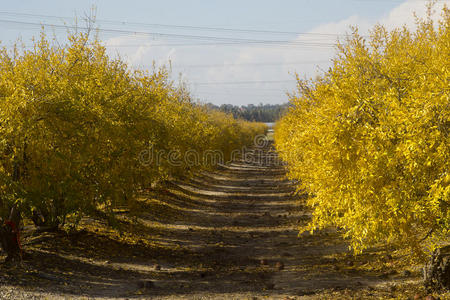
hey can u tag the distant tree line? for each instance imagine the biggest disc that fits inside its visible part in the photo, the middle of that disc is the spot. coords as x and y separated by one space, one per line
267 113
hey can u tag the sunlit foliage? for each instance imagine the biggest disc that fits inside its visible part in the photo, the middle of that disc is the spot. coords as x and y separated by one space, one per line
74 124
370 138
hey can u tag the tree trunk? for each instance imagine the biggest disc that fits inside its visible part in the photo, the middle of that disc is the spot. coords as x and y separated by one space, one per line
437 270
10 235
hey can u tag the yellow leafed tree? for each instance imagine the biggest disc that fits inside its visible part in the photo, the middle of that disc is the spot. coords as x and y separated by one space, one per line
370 138
74 123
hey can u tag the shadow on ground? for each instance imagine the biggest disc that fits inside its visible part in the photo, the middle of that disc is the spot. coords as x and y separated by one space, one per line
229 233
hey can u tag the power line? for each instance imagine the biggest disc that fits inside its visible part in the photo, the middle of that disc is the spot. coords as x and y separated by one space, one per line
256 64
182 26
236 88
258 43
243 82
278 93
179 36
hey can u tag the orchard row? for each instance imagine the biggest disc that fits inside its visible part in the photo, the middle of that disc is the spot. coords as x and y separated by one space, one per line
75 122
370 138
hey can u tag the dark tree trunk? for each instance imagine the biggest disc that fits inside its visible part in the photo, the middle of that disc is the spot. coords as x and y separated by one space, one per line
44 221
10 235
437 270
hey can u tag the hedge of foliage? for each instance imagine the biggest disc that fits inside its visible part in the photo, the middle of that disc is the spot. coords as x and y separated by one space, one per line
74 124
370 138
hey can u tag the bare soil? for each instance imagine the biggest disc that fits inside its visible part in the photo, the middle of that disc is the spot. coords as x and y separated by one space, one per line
227 234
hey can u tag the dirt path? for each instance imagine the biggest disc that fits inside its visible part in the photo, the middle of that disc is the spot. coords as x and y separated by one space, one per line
231 234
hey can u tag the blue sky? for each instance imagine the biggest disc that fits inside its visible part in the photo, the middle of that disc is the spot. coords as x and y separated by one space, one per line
290 15
227 66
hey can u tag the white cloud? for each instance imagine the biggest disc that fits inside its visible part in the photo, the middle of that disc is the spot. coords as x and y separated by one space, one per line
315 51
404 14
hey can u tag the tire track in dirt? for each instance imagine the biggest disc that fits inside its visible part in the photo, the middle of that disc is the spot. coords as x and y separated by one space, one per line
231 233
254 216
